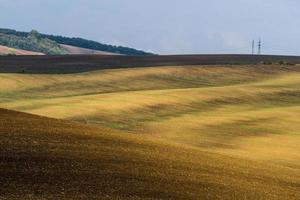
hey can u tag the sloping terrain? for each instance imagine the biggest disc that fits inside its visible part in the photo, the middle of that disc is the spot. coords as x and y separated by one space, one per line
80 42
185 132
44 158
11 51
72 50
81 51
242 111
32 42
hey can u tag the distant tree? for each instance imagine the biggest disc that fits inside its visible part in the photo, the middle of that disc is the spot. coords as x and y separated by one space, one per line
281 62
34 35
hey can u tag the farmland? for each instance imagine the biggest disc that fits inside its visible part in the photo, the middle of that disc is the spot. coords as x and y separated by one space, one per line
197 131
59 64
11 51
48 158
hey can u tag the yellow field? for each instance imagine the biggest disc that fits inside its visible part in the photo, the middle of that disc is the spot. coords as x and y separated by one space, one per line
44 158
244 113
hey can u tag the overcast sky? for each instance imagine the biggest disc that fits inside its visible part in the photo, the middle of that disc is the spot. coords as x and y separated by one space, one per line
165 26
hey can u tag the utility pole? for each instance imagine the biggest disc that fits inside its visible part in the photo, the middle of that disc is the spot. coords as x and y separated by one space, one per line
253 43
259 46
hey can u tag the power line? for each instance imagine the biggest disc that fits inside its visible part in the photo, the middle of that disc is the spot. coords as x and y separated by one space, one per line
253 43
259 46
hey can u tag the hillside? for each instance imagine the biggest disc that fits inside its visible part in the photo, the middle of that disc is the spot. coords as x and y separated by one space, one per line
33 42
241 111
82 43
44 158
174 132
72 50
11 51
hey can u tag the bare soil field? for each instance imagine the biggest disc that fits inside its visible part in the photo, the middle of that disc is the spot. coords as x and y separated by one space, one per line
84 63
11 51
83 51
171 132
43 158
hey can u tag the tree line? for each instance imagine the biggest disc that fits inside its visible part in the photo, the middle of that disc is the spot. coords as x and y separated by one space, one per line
80 42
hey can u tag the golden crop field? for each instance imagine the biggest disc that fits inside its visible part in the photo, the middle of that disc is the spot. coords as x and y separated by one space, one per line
196 132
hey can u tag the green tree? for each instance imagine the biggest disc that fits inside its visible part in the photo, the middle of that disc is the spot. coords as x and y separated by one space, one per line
34 35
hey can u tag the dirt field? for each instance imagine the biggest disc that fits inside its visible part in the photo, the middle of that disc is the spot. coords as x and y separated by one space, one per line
11 51
174 132
85 63
43 158
82 51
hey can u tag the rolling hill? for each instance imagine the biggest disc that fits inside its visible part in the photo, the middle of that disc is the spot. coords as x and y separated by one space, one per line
233 110
68 50
171 132
33 42
75 42
43 158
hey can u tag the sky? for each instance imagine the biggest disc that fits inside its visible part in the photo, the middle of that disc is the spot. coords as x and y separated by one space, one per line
165 26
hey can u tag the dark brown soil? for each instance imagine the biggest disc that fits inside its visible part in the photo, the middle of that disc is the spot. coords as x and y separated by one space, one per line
83 63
